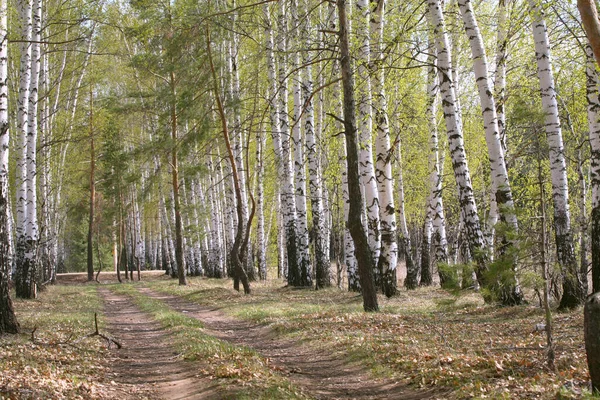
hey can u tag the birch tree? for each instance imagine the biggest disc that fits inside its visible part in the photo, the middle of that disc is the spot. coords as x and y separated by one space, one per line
435 206
510 292
287 182
572 289
365 127
26 227
455 140
388 257
8 320
311 131
302 240
593 110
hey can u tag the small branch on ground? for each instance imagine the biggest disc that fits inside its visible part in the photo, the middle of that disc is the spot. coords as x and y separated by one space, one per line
97 333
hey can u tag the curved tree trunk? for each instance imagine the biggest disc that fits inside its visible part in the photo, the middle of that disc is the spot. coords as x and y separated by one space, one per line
359 235
241 236
508 290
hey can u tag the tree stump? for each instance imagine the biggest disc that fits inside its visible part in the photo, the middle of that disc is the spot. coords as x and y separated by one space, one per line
591 325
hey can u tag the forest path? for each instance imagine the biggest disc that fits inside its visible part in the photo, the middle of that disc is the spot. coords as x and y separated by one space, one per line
319 372
147 361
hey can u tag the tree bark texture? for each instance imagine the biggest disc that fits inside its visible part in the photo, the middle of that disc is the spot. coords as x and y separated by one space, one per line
364 257
572 289
591 323
8 320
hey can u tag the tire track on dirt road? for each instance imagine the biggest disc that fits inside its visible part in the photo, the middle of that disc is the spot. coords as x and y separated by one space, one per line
147 363
321 374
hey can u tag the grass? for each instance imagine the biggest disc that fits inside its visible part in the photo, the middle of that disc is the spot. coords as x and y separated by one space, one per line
51 366
427 336
229 364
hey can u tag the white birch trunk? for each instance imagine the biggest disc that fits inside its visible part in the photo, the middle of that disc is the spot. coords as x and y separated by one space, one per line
572 291
593 110
388 258
274 113
261 247
435 203
499 173
304 266
365 128
349 256
500 72
24 277
322 278
287 184
455 138
215 257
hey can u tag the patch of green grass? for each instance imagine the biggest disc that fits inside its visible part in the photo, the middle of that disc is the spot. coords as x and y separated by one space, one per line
220 360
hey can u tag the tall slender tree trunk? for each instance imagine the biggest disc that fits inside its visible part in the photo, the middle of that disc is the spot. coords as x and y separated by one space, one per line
593 110
572 289
388 258
24 276
508 290
435 203
8 320
175 181
287 183
365 127
366 265
455 141
241 237
90 236
311 130
261 246
302 241
412 279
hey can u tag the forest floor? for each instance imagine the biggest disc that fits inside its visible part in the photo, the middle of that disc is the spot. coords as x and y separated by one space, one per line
207 341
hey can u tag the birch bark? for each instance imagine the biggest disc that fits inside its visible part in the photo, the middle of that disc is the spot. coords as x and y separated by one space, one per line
455 140
287 183
365 128
593 110
322 278
24 284
572 289
388 257
8 320
507 288
304 267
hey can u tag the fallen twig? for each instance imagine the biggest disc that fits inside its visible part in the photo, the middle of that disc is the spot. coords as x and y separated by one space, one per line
97 333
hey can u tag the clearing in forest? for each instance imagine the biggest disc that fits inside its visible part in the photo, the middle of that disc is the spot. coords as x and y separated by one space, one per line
205 340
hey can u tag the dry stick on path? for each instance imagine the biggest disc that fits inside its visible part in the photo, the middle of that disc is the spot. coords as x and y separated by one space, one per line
97 333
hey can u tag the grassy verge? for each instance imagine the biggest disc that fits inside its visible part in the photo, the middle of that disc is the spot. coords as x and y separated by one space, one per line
52 365
229 364
427 336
